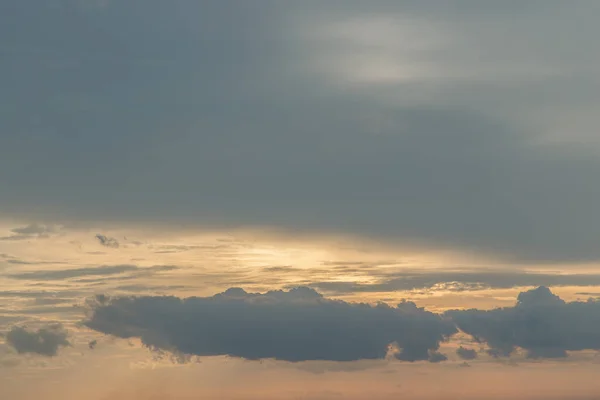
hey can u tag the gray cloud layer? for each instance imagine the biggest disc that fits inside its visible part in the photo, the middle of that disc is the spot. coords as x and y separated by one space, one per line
45 341
302 325
403 120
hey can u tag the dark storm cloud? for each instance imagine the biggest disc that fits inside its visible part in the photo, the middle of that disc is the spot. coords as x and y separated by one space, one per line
107 241
295 326
541 323
45 341
459 281
212 113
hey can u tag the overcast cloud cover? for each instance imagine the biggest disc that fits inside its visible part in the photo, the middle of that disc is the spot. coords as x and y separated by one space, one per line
154 153
465 124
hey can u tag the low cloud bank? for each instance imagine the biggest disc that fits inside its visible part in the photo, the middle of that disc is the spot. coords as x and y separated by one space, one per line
301 324
297 325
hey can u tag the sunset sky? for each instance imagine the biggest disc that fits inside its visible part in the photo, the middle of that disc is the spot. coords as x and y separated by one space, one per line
281 199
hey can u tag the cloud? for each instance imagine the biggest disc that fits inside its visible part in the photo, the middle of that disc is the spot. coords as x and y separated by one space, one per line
24 262
590 294
540 323
101 271
445 138
32 231
436 357
458 281
280 268
151 288
49 300
36 294
45 341
108 241
301 325
296 325
466 353
55 275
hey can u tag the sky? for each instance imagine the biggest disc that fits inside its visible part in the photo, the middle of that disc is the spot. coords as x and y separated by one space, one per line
299 199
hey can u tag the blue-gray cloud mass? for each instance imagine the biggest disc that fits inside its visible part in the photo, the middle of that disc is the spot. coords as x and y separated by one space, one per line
45 341
301 325
294 326
541 323
476 132
466 353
